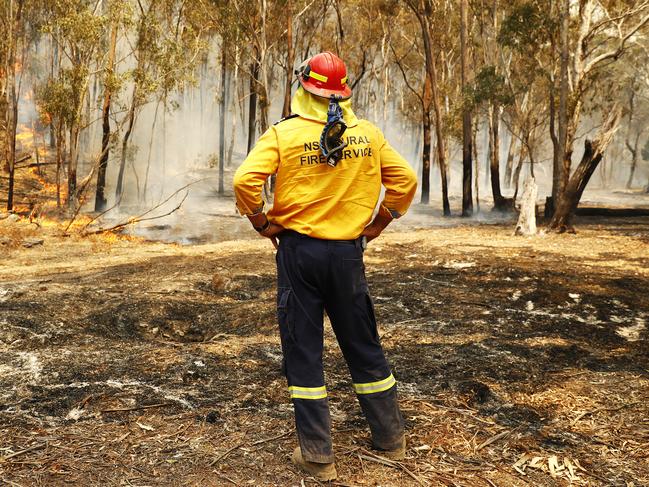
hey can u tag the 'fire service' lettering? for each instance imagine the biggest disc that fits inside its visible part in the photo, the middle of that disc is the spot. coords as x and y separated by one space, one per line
310 158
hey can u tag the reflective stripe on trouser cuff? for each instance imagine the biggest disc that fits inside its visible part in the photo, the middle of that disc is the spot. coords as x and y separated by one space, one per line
307 392
378 386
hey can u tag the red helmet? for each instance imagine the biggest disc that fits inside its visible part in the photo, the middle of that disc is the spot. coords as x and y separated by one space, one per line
324 75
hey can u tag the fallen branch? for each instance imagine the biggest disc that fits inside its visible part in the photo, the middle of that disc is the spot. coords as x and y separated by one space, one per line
241 445
390 463
466 412
493 439
286 433
488 481
611 410
21 452
220 475
12 484
139 219
225 454
22 159
36 164
136 408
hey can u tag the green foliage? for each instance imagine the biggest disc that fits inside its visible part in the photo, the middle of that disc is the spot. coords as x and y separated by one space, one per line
488 86
54 96
528 27
74 23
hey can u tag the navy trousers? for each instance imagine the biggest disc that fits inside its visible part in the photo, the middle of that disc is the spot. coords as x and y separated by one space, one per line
315 276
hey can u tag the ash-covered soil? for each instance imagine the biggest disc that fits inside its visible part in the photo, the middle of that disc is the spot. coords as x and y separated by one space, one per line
520 361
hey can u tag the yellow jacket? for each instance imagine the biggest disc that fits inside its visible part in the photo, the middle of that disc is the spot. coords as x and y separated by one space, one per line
331 203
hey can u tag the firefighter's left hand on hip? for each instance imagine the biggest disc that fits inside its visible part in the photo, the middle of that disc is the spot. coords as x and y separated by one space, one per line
371 232
272 231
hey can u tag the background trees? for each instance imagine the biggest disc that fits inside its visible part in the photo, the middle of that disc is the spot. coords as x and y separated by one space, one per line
133 95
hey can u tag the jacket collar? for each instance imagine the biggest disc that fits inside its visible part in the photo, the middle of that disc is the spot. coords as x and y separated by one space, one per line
315 108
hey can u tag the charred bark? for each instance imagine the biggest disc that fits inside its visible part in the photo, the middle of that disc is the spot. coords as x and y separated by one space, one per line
509 166
425 162
467 166
562 219
11 135
476 164
290 58
145 188
12 97
423 12
233 127
571 195
75 129
633 149
500 203
119 188
425 157
252 103
632 146
560 181
100 199
222 105
443 169
517 171
60 150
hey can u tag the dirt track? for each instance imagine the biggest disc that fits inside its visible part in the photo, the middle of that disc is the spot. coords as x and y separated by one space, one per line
502 347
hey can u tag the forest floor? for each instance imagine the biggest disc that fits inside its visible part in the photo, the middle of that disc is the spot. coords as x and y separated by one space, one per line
520 361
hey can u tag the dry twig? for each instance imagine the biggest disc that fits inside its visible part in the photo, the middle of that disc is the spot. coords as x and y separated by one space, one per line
26 450
240 445
390 463
493 439
136 408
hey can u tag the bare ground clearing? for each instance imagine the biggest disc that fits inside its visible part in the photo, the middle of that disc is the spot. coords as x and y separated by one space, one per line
520 361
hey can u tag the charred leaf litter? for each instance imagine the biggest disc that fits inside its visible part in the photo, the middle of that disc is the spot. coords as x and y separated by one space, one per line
546 350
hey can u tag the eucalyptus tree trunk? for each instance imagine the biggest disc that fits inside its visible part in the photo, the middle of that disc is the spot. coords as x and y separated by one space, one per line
476 166
60 151
527 218
561 169
509 165
74 135
119 188
145 188
100 198
15 17
517 171
290 59
500 203
593 153
235 89
423 10
467 195
633 148
252 102
425 157
75 129
12 123
222 105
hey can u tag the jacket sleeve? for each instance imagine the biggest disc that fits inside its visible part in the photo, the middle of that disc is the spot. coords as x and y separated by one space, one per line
261 162
399 179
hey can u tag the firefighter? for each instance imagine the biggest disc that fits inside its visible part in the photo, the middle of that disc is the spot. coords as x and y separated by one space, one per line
329 168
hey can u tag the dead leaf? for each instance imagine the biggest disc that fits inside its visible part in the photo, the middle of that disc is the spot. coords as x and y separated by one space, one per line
145 427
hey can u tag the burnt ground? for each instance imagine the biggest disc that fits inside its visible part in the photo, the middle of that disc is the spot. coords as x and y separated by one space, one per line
520 361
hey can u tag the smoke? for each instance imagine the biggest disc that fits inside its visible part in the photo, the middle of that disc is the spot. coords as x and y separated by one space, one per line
175 143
